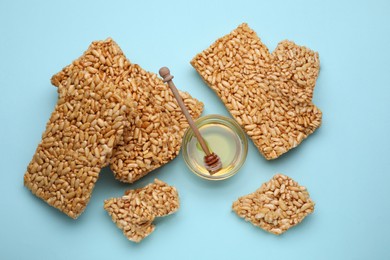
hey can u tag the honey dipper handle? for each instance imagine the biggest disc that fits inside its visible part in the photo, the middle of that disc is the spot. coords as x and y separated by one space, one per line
167 77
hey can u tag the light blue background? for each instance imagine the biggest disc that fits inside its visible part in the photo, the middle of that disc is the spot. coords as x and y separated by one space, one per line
345 164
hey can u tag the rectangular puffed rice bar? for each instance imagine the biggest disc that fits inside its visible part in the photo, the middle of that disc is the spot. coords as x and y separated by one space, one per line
88 121
268 94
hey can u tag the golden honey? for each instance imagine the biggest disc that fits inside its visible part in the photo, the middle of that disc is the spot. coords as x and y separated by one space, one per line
223 137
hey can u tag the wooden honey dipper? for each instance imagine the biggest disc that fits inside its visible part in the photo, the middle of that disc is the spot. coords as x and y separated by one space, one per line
211 160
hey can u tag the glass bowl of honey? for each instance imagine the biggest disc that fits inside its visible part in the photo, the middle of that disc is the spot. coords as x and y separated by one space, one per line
224 137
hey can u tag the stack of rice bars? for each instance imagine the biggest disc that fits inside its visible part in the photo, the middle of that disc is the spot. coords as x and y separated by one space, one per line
109 112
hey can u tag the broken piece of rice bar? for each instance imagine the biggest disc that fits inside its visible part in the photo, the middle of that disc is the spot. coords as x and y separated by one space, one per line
88 121
276 206
154 136
135 211
268 94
